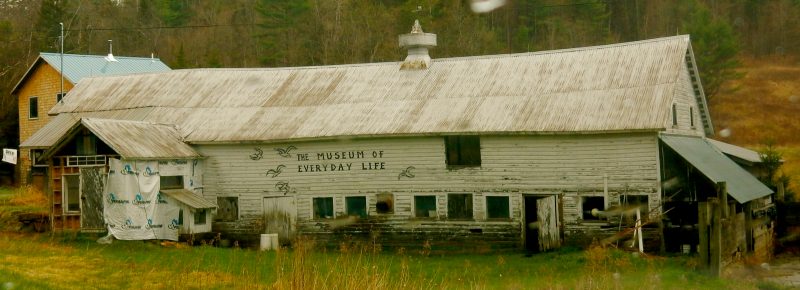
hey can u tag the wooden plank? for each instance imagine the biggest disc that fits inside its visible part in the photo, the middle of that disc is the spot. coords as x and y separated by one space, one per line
703 226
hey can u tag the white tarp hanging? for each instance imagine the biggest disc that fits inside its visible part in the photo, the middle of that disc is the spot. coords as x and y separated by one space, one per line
132 205
10 155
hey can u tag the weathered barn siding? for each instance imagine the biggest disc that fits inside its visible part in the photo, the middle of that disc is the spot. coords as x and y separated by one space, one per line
572 166
685 99
192 172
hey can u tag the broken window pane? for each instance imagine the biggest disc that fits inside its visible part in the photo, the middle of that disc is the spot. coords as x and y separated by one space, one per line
425 206
459 206
497 207
384 203
356 206
463 151
591 206
323 207
227 209
171 182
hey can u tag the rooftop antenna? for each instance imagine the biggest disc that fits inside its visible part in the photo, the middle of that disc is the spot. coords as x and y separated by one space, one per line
61 64
110 56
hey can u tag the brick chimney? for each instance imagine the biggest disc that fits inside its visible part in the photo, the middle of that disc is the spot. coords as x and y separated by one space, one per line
417 43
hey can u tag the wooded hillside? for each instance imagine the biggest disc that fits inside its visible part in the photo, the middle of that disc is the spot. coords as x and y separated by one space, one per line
272 33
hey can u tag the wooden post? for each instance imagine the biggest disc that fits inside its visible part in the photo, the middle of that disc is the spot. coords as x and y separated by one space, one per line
779 195
702 229
748 227
722 194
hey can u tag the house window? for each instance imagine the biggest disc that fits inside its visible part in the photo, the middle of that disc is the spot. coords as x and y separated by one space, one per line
356 206
200 217
227 209
180 217
425 206
59 97
591 206
459 206
497 207
674 114
384 203
463 151
323 207
71 189
640 201
33 107
691 116
171 182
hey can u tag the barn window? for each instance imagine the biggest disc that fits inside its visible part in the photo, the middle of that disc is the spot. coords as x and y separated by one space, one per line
323 207
674 114
33 107
227 209
691 116
463 151
200 216
59 97
171 182
180 217
590 207
631 201
497 207
72 193
459 206
356 206
425 206
384 203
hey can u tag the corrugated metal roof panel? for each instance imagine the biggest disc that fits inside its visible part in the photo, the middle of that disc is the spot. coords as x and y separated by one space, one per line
60 124
189 198
140 140
78 66
717 167
740 152
617 87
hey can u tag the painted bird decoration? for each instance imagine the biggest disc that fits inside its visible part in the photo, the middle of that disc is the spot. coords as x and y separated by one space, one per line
284 187
277 171
258 155
408 172
285 152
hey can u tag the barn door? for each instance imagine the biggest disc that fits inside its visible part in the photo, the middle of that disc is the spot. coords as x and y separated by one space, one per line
92 181
547 215
280 214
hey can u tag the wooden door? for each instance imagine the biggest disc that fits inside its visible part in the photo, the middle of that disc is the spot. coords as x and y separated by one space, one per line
547 215
92 181
280 214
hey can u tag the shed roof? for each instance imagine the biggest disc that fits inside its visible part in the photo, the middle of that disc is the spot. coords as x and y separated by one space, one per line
61 124
140 140
189 198
717 167
619 87
78 66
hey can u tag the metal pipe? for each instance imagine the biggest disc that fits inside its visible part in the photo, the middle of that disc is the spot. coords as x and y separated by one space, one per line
61 92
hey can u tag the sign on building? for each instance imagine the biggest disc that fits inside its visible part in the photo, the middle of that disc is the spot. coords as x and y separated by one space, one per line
10 155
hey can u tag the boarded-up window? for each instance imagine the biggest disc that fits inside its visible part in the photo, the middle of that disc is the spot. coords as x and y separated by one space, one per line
459 206
356 206
200 217
634 201
497 207
323 207
384 203
227 209
591 207
463 151
72 193
425 206
33 107
171 182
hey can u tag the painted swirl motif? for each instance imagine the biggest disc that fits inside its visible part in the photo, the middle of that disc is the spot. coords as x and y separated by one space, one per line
408 172
284 187
277 171
258 155
285 152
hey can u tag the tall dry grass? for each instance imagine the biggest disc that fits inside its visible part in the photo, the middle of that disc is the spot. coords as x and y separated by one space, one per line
30 197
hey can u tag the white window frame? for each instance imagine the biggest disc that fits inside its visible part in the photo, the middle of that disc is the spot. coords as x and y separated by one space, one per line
313 216
486 206
344 200
580 206
435 202
29 108
64 204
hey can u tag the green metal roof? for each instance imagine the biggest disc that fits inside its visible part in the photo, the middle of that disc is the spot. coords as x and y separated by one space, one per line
742 186
78 66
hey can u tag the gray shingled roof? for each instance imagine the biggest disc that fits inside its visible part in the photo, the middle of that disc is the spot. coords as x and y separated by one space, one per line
620 87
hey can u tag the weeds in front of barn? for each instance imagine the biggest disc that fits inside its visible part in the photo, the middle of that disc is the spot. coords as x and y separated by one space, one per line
20 200
75 261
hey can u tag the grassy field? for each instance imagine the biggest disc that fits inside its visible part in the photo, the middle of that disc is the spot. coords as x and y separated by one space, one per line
763 106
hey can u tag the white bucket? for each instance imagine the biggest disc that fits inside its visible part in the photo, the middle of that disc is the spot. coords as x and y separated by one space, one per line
686 249
269 242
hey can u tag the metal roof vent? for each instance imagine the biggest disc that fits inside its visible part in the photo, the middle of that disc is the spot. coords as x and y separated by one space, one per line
110 56
417 42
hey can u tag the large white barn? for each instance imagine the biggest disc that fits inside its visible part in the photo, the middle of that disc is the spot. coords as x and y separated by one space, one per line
497 151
